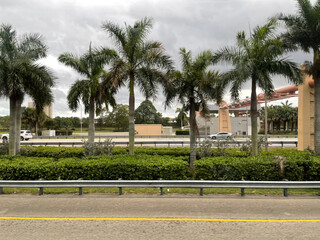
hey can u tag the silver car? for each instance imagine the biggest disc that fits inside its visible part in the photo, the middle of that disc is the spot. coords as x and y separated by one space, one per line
221 135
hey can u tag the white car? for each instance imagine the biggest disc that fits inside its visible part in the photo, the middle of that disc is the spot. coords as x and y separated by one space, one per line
221 135
24 135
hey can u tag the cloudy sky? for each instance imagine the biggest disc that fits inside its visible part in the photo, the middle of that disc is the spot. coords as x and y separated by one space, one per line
197 25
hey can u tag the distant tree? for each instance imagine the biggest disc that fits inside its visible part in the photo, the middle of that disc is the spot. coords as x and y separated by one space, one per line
119 117
182 115
4 122
146 113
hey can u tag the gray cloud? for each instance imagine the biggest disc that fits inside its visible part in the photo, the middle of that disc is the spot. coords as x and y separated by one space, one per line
197 25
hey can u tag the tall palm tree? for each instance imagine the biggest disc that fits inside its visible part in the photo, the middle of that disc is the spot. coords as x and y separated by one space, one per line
20 75
140 63
257 58
303 30
97 88
193 87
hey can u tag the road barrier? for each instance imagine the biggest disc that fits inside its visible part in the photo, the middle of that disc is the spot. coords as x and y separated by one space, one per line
155 143
148 136
200 184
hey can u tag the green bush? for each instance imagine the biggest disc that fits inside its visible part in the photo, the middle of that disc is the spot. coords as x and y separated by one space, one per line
94 168
52 152
182 132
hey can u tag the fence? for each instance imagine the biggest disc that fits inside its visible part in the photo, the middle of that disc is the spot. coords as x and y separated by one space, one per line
200 184
153 143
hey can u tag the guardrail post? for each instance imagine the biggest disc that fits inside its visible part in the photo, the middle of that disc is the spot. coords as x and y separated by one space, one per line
242 189
41 188
1 188
201 189
80 188
161 188
285 190
120 188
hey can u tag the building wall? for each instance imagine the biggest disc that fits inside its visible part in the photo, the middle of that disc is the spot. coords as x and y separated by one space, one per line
239 125
47 109
148 129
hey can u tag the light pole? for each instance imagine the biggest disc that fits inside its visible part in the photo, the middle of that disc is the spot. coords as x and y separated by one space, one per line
266 122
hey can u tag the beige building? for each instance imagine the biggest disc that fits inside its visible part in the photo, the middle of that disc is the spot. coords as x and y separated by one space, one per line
47 109
152 129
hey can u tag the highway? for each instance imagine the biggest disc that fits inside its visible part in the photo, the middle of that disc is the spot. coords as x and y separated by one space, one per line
158 217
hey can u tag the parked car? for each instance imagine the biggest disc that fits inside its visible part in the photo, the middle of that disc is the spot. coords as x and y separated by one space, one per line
24 135
221 135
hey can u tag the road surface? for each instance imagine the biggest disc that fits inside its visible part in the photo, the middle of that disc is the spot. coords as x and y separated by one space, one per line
158 217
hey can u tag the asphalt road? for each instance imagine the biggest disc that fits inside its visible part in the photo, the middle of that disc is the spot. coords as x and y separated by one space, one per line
158 217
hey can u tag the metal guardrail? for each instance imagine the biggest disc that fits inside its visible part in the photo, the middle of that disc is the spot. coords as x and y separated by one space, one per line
155 143
149 136
201 184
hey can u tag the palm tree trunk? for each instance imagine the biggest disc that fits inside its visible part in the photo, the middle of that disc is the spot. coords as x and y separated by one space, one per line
254 120
18 125
12 127
192 133
131 116
91 121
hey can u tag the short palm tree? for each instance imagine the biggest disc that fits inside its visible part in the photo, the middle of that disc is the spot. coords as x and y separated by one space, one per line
140 63
257 58
96 89
303 31
194 86
20 75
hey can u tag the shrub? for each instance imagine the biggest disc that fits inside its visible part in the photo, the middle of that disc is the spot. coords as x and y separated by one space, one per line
4 148
98 148
52 152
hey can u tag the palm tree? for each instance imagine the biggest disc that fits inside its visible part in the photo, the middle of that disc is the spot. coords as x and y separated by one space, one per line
257 58
20 75
193 87
140 63
303 31
182 114
286 114
97 88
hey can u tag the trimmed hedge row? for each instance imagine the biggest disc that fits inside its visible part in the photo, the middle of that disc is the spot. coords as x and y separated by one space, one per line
297 166
94 168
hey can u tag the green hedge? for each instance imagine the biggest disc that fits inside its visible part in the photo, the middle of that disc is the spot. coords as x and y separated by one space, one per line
94 168
298 166
78 152
182 132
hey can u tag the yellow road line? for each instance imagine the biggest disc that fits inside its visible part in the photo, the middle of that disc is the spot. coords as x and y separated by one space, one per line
163 219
